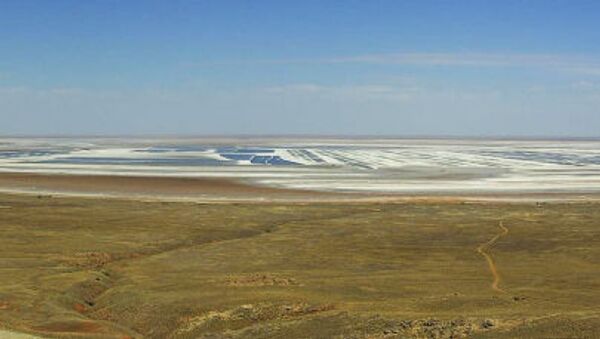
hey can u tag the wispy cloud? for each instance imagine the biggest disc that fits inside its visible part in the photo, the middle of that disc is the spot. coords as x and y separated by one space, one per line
569 63
465 59
362 92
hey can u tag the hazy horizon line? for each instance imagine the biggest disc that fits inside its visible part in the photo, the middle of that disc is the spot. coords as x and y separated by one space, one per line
299 136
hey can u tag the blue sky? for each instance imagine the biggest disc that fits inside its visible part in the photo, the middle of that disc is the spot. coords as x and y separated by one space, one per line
473 68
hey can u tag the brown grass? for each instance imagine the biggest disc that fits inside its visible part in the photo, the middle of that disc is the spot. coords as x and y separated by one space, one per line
288 270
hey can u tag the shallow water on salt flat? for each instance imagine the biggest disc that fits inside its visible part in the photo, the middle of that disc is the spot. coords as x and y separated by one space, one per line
376 165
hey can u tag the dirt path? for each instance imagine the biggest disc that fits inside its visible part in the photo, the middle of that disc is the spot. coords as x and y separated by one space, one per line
483 250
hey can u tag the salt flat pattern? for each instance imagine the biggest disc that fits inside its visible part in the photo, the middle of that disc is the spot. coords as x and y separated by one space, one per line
375 165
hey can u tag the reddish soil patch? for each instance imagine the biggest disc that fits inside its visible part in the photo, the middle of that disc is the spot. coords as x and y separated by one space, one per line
141 185
79 307
70 327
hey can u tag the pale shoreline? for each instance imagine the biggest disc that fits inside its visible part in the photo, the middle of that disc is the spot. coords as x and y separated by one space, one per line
226 190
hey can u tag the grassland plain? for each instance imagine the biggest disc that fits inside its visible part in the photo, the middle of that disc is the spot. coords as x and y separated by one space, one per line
116 268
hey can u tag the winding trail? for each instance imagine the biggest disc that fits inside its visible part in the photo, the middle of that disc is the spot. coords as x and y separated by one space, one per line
483 250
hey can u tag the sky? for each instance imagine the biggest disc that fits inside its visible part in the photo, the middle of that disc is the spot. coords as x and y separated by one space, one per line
393 68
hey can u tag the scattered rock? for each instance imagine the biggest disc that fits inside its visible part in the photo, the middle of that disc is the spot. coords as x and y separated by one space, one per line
390 331
430 322
487 323
252 312
406 324
420 328
259 280
92 259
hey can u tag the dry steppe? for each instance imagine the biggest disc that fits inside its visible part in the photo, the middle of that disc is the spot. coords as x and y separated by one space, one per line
73 267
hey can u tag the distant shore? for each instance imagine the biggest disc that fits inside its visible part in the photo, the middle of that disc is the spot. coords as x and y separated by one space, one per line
229 190
139 186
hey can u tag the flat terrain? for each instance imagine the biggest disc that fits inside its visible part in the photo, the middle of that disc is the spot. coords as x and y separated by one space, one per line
165 187
116 268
